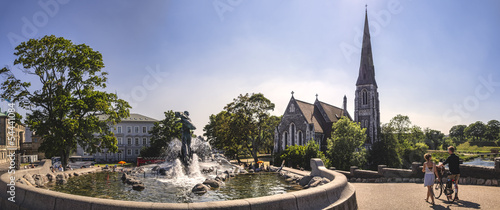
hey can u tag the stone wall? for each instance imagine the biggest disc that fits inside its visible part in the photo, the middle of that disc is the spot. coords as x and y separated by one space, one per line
476 175
337 194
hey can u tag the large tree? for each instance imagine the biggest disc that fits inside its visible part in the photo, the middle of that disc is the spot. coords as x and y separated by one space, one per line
69 107
251 119
162 133
433 138
457 134
492 130
246 123
475 131
220 135
385 151
345 147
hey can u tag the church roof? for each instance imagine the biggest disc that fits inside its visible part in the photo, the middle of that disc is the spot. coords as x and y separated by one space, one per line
308 111
366 68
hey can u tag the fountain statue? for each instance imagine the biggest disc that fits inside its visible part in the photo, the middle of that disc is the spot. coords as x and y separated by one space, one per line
187 126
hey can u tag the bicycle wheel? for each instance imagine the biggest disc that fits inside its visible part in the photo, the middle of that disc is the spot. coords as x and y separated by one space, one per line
438 188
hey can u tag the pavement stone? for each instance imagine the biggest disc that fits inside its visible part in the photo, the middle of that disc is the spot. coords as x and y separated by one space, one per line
412 196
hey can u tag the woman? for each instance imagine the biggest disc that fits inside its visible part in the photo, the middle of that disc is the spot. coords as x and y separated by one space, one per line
429 177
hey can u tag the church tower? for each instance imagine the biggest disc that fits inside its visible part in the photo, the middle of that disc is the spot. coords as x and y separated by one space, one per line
366 103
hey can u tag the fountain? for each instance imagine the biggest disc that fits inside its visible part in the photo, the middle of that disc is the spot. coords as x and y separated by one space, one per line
169 185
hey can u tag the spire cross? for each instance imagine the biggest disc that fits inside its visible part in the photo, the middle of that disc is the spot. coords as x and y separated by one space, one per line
292 92
316 96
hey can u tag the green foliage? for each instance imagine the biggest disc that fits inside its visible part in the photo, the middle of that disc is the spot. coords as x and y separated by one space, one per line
345 147
414 154
67 109
162 134
475 131
245 126
300 156
433 138
457 134
492 130
385 151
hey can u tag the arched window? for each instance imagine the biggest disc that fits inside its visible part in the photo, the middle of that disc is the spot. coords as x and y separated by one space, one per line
292 133
285 139
364 94
301 138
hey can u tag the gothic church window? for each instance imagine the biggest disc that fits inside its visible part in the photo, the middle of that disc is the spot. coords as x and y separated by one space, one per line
301 138
292 133
364 94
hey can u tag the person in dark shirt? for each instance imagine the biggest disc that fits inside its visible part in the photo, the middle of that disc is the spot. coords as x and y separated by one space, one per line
454 166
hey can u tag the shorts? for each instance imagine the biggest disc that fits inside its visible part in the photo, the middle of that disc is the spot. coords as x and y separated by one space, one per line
455 177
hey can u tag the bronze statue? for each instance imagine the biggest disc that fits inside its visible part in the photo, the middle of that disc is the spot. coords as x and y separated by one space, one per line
187 126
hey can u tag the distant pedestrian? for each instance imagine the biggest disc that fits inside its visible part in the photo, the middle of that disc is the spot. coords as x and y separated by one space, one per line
430 176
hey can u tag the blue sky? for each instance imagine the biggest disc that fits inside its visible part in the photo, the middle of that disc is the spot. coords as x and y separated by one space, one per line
436 62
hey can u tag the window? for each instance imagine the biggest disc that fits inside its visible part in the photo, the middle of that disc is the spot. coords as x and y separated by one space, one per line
301 140
144 129
292 133
129 152
119 129
119 141
136 141
137 151
365 96
144 141
136 129
129 141
129 129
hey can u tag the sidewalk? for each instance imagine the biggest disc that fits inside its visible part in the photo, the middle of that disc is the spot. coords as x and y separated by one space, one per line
411 196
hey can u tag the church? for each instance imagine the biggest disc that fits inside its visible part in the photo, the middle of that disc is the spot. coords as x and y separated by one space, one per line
303 122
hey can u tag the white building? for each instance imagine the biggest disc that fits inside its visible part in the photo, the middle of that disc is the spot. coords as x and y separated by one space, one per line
132 135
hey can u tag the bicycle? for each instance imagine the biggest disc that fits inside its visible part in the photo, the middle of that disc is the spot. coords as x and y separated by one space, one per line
438 185
447 187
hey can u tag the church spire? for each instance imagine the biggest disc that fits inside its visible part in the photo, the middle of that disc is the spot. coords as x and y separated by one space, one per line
366 68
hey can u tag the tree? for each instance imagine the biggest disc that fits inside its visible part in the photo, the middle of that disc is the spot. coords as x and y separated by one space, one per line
475 131
219 134
492 130
250 121
433 138
385 151
457 134
162 133
346 143
68 109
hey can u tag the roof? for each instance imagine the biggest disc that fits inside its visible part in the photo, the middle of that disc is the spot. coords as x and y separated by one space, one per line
134 117
366 68
308 112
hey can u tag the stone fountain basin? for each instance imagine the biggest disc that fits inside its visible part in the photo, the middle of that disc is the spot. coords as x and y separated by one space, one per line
338 194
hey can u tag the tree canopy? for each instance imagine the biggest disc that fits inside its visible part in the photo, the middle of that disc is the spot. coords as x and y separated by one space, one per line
245 123
69 106
162 133
345 147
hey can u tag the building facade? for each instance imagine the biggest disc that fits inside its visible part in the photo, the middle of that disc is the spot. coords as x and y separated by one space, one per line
10 132
366 102
132 134
303 122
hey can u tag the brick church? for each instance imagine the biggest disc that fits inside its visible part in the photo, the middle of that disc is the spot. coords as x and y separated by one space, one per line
303 122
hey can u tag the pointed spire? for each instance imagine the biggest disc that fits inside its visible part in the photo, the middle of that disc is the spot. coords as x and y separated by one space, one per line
366 68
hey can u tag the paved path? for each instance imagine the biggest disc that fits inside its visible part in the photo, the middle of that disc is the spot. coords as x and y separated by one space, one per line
411 196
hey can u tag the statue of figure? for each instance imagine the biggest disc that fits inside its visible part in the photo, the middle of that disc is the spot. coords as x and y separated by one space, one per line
187 126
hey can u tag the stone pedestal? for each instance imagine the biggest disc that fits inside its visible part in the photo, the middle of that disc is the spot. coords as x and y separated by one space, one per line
415 167
381 169
353 169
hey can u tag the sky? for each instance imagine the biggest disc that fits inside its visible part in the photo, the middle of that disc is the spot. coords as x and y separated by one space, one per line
436 62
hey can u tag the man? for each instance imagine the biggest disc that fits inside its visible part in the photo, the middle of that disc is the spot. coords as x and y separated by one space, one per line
454 167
